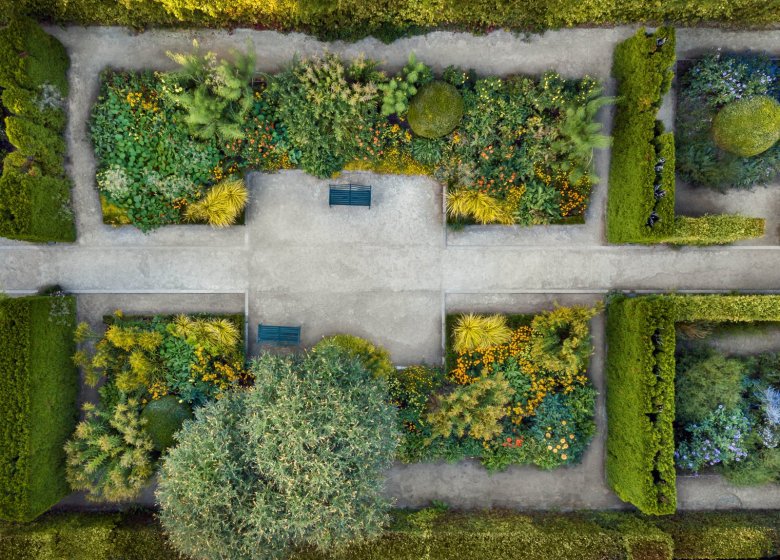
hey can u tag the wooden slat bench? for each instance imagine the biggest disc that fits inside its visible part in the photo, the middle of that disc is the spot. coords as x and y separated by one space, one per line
278 335
350 195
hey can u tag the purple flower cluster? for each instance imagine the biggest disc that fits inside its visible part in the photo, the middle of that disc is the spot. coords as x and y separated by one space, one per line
717 439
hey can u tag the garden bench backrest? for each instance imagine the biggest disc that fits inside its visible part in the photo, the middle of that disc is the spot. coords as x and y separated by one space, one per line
350 195
276 334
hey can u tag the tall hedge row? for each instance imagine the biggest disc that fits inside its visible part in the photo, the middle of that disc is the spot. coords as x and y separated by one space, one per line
434 535
640 207
38 407
640 403
34 190
640 385
353 19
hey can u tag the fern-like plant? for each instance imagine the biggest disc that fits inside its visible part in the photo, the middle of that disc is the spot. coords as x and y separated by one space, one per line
217 94
581 134
221 205
473 332
481 207
219 335
476 409
109 455
561 343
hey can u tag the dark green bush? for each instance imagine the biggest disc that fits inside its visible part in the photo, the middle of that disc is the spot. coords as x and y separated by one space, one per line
34 191
38 404
747 127
640 403
164 417
701 387
436 110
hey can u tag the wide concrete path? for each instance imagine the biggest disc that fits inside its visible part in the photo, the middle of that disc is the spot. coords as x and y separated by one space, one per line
389 273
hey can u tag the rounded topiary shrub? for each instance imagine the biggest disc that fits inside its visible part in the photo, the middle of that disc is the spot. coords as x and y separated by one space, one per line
436 110
747 127
164 417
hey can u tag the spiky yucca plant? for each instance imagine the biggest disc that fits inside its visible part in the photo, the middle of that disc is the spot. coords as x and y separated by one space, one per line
222 204
109 455
480 331
485 209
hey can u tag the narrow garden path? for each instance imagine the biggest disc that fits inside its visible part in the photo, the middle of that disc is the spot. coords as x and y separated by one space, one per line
389 273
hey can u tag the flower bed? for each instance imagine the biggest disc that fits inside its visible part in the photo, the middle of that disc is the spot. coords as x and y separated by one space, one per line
513 150
521 395
714 155
727 410
156 371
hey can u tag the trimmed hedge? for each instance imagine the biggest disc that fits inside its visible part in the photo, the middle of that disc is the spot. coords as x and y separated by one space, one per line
640 404
34 190
352 19
436 535
38 403
641 343
643 157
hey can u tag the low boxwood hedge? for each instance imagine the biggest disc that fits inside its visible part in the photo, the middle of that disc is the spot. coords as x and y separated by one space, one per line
34 190
640 206
38 408
641 342
436 535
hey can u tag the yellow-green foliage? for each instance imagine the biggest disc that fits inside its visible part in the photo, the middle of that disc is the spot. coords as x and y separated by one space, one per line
213 333
479 331
714 230
222 205
109 455
479 206
748 126
477 407
561 341
375 359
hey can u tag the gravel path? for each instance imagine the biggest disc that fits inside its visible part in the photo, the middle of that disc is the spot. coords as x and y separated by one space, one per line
391 272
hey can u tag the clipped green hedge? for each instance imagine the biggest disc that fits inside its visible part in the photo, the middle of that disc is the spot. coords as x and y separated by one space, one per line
644 72
38 408
436 535
641 343
34 190
640 404
352 19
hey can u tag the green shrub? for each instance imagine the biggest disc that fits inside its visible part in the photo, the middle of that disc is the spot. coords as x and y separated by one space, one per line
701 387
34 191
374 358
748 126
561 342
715 535
299 459
164 417
640 403
644 73
436 110
38 405
713 230
760 467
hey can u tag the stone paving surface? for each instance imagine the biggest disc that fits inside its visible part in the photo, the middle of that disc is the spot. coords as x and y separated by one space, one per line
389 273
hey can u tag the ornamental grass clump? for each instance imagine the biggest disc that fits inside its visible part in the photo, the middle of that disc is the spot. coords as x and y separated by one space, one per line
478 206
480 331
222 204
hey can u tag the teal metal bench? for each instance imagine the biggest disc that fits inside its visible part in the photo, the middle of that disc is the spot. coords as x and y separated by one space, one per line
350 195
278 335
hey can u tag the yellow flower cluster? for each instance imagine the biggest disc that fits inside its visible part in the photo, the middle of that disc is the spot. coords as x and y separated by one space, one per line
135 98
485 357
158 389
559 445
212 370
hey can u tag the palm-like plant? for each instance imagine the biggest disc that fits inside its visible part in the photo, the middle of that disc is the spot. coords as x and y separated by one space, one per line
580 135
217 95
480 206
473 332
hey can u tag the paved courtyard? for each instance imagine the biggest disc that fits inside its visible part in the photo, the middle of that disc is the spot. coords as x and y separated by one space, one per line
391 273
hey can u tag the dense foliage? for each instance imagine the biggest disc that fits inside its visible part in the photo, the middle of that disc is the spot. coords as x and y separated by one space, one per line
728 414
721 83
155 371
640 207
38 405
641 341
34 190
520 145
298 460
374 358
438 535
353 19
522 397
